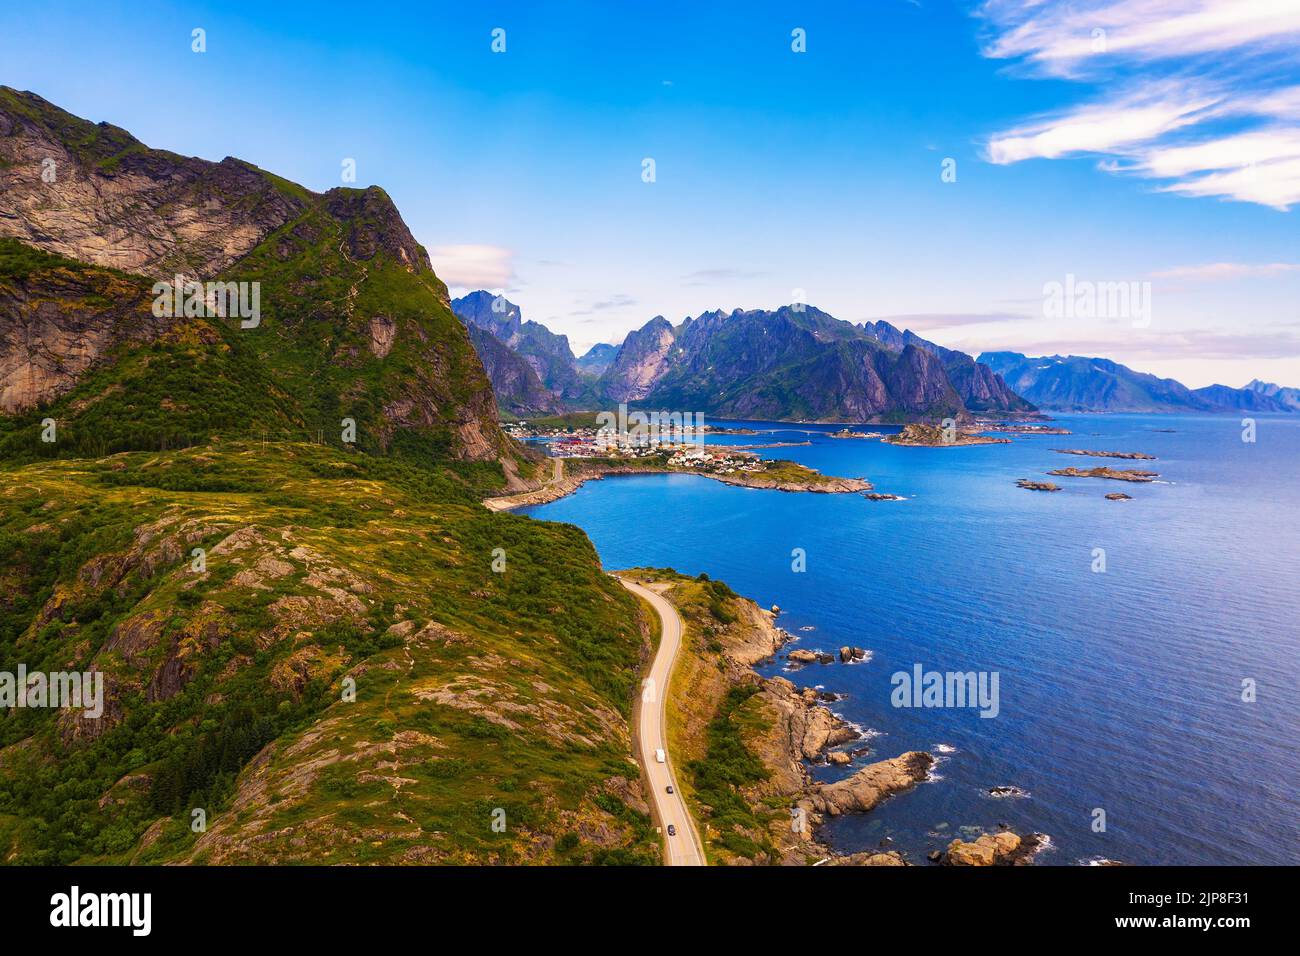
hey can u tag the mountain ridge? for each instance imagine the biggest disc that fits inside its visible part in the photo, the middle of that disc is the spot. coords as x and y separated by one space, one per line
1091 384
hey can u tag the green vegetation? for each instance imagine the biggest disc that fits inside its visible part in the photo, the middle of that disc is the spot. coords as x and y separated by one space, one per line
321 564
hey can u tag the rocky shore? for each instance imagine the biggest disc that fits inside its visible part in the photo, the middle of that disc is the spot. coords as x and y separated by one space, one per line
788 729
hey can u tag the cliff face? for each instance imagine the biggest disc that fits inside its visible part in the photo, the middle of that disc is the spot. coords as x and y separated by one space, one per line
59 321
353 322
641 361
514 382
981 388
95 193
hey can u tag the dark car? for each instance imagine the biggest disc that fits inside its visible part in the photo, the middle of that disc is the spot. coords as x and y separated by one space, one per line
672 830
670 788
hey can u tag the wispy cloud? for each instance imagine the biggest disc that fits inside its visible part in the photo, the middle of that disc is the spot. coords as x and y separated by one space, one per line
705 277
1200 94
617 301
473 266
1220 271
1190 344
924 321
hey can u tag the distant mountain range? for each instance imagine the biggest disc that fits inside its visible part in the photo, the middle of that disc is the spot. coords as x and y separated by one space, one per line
790 363
1077 383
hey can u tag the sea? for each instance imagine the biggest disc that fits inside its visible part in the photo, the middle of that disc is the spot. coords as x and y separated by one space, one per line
1146 652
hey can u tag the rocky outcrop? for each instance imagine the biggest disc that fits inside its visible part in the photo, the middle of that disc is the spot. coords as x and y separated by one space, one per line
993 849
870 786
1037 485
56 324
1137 455
933 436
1115 474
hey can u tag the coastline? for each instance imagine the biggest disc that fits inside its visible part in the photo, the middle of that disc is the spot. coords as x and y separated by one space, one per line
777 730
565 485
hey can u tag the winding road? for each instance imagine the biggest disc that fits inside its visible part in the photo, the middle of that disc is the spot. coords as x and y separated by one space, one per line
683 849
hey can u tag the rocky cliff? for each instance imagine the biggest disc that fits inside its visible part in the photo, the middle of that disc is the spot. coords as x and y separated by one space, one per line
981 388
353 324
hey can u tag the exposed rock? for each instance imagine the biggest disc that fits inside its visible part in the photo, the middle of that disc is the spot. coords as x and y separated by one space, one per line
1115 474
870 786
993 849
1037 485
1105 454
932 436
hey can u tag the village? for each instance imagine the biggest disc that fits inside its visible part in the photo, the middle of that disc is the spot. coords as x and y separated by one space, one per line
678 449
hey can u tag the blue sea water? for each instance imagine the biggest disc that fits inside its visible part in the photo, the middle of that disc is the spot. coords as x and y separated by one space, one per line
1119 690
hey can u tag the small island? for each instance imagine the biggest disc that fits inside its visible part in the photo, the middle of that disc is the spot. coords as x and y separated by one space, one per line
1135 455
880 496
1037 485
850 433
1115 474
932 436
1118 496
999 427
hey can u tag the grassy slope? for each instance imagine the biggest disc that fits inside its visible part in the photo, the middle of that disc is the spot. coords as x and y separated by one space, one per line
323 554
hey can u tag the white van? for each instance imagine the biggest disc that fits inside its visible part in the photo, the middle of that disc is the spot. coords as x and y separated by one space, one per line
659 755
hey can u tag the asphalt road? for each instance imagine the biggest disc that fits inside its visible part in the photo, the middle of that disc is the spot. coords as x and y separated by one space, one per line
684 849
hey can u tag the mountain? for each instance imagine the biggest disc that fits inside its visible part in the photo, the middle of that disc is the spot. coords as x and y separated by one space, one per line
981 388
1288 397
640 362
791 363
548 354
1227 398
306 638
515 383
353 322
1082 384
598 358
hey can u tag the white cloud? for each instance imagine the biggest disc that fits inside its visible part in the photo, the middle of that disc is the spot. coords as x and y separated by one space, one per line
1138 117
1169 71
472 266
1216 271
1078 36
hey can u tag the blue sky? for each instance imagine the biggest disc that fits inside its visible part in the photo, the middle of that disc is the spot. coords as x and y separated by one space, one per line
1165 150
